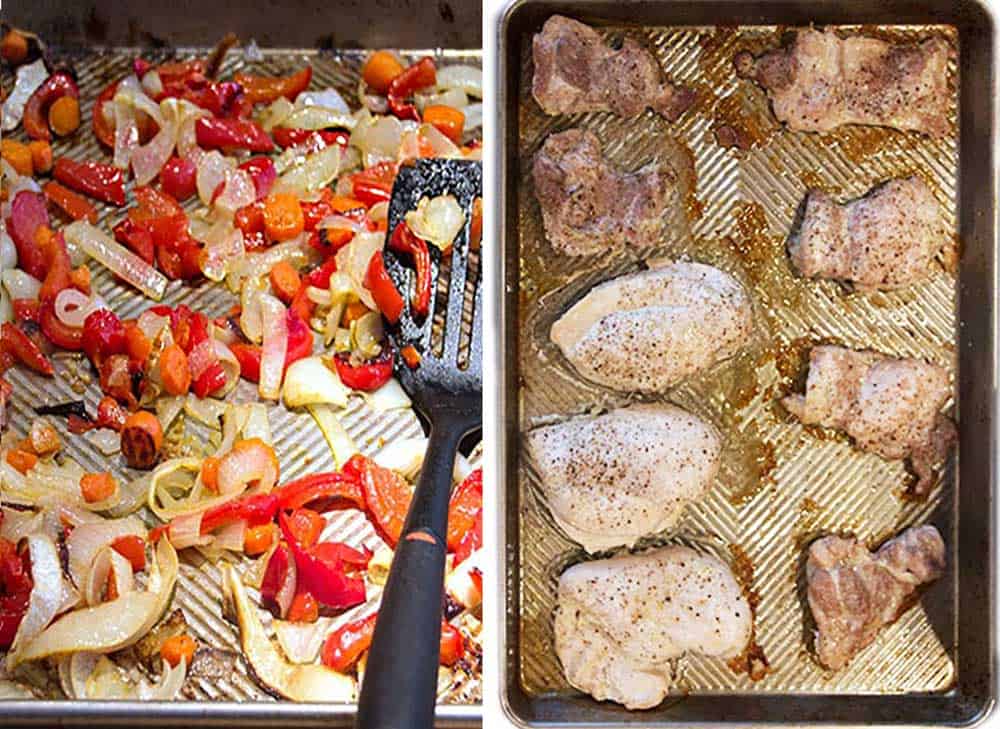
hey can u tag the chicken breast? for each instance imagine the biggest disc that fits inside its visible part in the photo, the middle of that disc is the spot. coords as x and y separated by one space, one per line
611 479
648 330
891 407
885 240
576 71
822 81
853 593
590 207
620 621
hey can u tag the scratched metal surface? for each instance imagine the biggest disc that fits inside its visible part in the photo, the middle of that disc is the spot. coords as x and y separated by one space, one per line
300 445
780 485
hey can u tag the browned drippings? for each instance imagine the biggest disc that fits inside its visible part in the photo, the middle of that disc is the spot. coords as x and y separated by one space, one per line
791 360
763 257
752 660
751 464
858 143
735 126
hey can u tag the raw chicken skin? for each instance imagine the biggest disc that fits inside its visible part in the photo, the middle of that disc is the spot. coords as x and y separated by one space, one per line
648 330
885 240
822 81
853 593
590 207
576 71
620 621
891 407
611 479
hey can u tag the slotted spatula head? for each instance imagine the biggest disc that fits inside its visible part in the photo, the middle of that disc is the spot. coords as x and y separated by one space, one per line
449 338
400 683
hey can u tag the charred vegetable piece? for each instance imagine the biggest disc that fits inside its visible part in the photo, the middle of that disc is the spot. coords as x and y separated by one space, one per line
141 440
265 89
387 496
75 206
15 342
36 111
383 289
464 512
404 241
418 76
366 376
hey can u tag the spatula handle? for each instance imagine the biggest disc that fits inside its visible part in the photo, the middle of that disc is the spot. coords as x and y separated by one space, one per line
400 681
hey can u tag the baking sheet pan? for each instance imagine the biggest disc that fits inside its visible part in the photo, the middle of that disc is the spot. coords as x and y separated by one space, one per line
779 486
103 55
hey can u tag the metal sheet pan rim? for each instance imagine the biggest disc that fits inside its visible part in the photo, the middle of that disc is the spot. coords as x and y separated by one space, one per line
500 395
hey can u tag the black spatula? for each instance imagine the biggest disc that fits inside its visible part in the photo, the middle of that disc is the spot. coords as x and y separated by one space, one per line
400 681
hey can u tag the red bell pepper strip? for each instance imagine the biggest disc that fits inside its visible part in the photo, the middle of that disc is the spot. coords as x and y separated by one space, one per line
136 238
403 240
59 267
255 510
344 646
322 492
464 507
383 290
374 185
179 178
326 578
263 173
306 526
27 215
104 129
36 110
387 497
15 591
61 335
265 89
24 350
215 133
248 355
103 335
452 646
98 180
472 540
209 381
26 310
319 277
420 75
300 345
313 139
277 588
250 221
75 206
368 376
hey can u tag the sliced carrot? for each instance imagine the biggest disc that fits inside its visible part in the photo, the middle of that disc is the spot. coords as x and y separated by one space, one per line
97 486
257 540
306 525
133 548
18 156
80 278
41 155
14 48
342 203
64 116
210 473
410 355
111 586
137 344
44 438
304 608
283 218
352 312
380 69
174 371
285 281
178 648
22 461
447 120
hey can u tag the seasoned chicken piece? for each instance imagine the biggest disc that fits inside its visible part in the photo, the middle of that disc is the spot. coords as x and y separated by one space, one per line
611 479
648 330
853 593
590 207
822 81
882 241
620 621
576 71
891 407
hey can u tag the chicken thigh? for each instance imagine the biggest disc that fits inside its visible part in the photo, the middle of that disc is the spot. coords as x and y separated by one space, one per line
648 330
885 240
611 479
853 593
590 207
822 81
890 407
575 70
620 621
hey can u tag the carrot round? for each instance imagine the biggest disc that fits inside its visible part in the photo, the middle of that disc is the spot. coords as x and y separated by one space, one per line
447 120
285 281
41 155
18 156
174 370
64 115
96 487
178 648
283 218
380 69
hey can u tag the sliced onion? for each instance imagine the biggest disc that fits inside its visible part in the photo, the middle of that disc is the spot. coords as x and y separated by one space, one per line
238 191
212 171
377 138
329 98
390 396
86 540
223 245
231 536
297 252
341 222
16 183
72 307
29 78
378 212
272 360
187 137
46 594
438 143
152 84
319 117
454 98
437 220
317 171
300 642
230 365
341 444
151 324
107 563
6 308
251 323
168 687
112 625
8 251
204 410
107 441
473 116
133 496
148 160
117 258
21 285
126 132
17 524
200 358
309 381
130 91
353 260
467 78
80 666
185 531
275 113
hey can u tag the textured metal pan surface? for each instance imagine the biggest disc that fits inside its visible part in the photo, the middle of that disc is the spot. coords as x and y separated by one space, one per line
780 485
299 443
